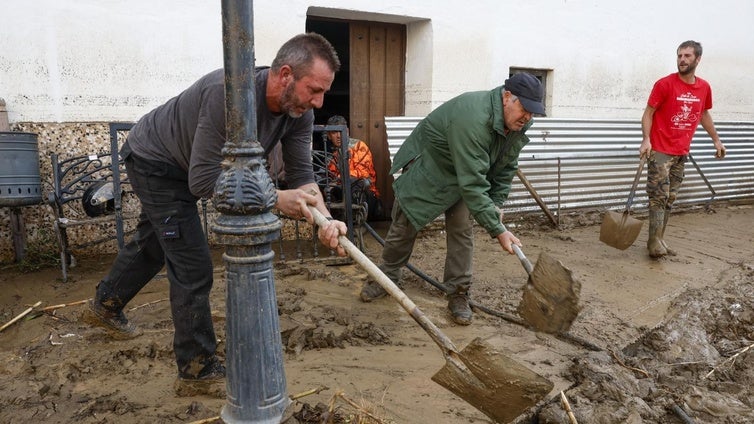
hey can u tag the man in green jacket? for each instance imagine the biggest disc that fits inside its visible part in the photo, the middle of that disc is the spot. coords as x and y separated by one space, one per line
460 161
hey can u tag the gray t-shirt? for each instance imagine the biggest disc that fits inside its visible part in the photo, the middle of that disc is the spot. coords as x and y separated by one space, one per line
189 131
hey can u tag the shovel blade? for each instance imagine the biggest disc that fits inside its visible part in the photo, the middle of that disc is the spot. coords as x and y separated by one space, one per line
550 301
488 379
619 230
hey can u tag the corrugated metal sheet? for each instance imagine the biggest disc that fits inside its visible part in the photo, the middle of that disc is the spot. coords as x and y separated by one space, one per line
590 164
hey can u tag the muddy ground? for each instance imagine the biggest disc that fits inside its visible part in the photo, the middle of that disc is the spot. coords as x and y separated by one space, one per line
672 335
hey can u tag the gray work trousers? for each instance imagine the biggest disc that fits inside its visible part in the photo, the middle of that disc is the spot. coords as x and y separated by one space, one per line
169 233
401 237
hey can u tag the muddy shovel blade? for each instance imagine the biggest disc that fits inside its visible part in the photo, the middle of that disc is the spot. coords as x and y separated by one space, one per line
492 382
619 230
550 301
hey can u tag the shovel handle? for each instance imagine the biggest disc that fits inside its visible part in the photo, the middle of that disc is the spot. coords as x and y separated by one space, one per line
525 262
393 290
635 183
534 194
701 174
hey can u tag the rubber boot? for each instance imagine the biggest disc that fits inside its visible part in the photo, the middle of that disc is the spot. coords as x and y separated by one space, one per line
460 310
654 243
666 216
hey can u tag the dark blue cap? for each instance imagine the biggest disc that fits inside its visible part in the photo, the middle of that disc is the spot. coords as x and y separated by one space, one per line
529 91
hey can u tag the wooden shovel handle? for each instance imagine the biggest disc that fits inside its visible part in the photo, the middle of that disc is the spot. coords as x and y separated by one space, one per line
383 280
701 174
525 262
635 183
534 194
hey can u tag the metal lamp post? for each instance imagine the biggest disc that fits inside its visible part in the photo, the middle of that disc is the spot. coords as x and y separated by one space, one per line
244 196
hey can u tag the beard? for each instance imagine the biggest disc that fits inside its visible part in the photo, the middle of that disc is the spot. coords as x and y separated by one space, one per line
690 68
289 102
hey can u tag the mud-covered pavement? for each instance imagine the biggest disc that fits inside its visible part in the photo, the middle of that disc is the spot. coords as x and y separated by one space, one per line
675 335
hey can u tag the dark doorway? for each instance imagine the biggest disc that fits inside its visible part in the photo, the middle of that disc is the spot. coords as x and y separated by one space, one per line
337 100
369 86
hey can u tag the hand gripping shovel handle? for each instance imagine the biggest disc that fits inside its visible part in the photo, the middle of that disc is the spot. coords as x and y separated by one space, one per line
636 182
383 280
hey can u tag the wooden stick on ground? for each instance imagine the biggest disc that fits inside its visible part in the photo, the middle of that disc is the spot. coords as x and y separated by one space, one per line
358 407
207 420
567 407
732 358
147 304
646 374
308 393
63 305
19 316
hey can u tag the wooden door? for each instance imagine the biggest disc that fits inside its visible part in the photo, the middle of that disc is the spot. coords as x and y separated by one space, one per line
377 69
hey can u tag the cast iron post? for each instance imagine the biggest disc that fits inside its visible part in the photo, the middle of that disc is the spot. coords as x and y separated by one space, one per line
244 195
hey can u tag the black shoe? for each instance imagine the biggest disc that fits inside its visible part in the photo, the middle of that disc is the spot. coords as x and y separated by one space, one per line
460 309
115 323
210 381
372 291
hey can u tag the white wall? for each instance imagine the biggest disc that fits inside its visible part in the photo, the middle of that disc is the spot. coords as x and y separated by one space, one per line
607 54
105 60
100 60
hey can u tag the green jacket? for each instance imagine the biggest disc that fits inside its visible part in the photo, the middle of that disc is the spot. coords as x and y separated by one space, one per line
459 151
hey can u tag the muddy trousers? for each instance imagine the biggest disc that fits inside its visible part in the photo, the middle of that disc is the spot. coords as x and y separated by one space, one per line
401 237
665 175
169 233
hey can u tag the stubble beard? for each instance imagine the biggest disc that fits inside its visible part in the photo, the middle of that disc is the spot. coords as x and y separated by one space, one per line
690 69
288 102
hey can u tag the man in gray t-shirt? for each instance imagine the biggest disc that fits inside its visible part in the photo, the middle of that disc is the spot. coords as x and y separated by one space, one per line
189 131
173 157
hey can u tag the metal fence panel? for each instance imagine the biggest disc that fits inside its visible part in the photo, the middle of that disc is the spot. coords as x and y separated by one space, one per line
587 164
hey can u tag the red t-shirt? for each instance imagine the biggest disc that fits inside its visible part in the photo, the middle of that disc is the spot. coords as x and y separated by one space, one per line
678 110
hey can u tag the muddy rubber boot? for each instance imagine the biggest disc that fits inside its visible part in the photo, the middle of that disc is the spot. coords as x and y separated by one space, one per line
458 304
372 291
210 381
670 251
654 242
116 323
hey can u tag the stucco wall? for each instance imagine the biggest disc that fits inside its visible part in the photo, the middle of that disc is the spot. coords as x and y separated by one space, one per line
40 239
103 60
67 139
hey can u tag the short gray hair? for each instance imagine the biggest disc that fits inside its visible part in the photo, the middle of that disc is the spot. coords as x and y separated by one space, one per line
300 51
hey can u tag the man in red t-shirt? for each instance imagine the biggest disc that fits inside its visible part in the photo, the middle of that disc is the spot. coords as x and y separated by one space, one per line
676 106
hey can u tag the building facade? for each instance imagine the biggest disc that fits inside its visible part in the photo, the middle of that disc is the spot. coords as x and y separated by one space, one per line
69 68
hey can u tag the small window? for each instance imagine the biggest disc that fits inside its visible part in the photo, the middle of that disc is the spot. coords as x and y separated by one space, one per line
541 75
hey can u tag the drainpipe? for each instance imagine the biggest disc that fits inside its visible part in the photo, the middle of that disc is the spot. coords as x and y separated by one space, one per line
244 196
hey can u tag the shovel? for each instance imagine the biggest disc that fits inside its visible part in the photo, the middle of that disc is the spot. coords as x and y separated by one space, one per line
480 374
550 301
534 194
619 230
706 181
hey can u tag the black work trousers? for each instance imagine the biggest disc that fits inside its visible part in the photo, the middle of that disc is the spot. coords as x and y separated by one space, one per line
170 234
